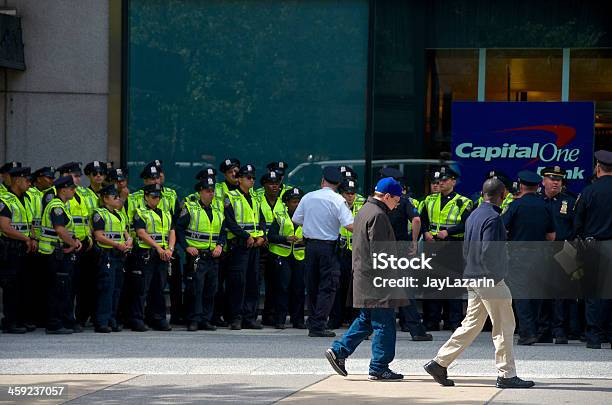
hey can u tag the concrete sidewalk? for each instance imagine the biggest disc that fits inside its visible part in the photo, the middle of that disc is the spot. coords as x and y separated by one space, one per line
301 389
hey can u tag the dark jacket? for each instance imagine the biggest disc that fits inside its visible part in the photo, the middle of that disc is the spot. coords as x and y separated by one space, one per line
372 232
484 249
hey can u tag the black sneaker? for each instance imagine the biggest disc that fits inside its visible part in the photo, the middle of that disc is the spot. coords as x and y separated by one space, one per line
192 327
60 331
30 327
527 341
321 333
513 382
236 325
438 373
422 338
102 329
386 375
337 364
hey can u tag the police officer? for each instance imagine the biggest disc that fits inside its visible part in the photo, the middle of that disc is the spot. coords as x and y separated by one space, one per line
4 174
110 228
406 225
229 167
59 245
280 168
246 227
96 172
201 232
443 218
527 219
270 202
322 213
204 174
340 312
434 188
42 181
15 243
593 224
496 174
287 252
156 240
348 173
552 314
118 177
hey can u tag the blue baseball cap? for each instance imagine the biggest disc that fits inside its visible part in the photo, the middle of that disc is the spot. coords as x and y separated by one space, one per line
389 185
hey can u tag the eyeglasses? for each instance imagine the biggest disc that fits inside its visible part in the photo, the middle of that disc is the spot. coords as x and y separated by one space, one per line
250 177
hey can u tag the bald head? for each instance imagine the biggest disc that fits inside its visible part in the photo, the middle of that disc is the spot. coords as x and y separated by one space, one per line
493 191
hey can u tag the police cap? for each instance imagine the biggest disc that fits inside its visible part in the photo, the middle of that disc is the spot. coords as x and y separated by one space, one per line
9 165
64 182
247 170
229 163
529 178
108 190
153 190
70 167
332 175
207 183
150 171
497 174
117 174
206 172
20 171
279 167
158 164
604 157
348 186
447 173
46 171
270 177
391 172
554 172
94 167
292 193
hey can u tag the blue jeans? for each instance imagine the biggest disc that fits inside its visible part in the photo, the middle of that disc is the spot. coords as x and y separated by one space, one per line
381 321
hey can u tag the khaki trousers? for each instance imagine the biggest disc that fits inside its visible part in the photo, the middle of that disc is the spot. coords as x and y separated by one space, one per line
497 303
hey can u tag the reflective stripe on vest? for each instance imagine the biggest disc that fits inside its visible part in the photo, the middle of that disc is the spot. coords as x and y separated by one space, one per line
158 228
114 228
247 217
286 229
36 208
49 239
201 232
80 214
449 216
346 236
21 215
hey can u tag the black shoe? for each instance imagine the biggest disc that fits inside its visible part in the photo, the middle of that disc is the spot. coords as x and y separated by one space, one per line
163 327
337 364
513 382
140 328
219 323
422 338
573 337
561 340
545 339
438 373
267 321
77 328
299 326
30 327
236 325
192 327
251 325
60 331
386 375
14 329
279 326
321 333
593 345
177 321
528 341
117 328
102 329
207 326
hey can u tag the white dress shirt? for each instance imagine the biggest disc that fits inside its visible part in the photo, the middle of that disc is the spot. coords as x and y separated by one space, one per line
321 214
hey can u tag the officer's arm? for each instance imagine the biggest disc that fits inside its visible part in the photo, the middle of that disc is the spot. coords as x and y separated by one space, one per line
579 215
172 239
274 234
181 225
416 228
262 223
232 225
7 229
460 227
222 235
62 232
176 211
346 217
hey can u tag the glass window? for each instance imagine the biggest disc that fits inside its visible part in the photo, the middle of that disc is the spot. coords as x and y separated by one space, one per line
259 81
523 74
591 80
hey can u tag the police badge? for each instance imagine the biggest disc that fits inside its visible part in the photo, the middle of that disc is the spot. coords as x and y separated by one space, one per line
563 209
58 211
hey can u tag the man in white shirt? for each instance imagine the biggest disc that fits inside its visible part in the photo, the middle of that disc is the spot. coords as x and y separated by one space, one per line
321 214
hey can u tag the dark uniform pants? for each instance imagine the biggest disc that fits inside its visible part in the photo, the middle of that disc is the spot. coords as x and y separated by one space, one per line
322 270
35 290
84 282
109 283
289 287
221 301
147 281
60 304
201 280
410 318
175 281
267 263
340 312
12 269
242 284
598 314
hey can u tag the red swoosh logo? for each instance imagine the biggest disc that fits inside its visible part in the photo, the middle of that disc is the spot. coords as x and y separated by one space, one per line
563 134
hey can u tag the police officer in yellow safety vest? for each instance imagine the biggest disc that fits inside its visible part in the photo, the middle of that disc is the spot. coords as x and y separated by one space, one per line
434 189
348 173
204 174
270 201
246 227
340 312
287 251
59 245
443 218
496 174
118 177
5 184
15 243
96 172
229 167
200 230
280 168
110 230
152 256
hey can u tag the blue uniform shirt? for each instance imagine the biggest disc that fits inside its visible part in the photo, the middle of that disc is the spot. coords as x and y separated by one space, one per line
528 219
562 208
592 217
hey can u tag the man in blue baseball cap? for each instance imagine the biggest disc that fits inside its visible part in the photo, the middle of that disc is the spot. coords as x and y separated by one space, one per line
377 315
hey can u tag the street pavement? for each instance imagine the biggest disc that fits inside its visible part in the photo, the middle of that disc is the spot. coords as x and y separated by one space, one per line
267 366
